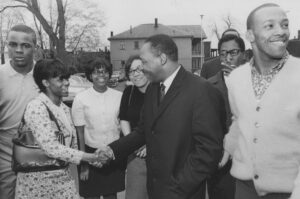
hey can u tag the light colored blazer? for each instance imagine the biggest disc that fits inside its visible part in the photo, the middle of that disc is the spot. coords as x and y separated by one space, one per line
264 138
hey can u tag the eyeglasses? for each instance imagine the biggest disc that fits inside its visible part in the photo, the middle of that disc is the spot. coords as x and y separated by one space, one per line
233 52
99 72
139 70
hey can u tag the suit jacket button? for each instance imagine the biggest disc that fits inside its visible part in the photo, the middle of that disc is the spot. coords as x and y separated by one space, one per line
152 132
254 140
256 177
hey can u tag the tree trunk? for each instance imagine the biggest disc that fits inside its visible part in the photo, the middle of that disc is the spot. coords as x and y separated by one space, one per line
2 58
61 42
61 51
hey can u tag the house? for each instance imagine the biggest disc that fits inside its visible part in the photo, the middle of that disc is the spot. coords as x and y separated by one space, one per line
187 38
294 46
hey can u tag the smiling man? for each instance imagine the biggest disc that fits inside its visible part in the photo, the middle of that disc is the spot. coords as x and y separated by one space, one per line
264 98
181 125
17 88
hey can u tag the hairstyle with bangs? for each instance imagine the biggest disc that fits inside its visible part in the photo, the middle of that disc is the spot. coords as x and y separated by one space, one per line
96 64
46 69
129 62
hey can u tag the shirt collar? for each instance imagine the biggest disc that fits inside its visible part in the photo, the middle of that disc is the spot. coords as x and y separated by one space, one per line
96 93
13 72
170 79
276 67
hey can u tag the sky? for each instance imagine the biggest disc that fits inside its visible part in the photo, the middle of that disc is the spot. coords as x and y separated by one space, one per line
121 14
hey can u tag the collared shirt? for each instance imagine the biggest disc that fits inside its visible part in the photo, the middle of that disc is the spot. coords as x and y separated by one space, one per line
261 82
170 79
98 113
16 90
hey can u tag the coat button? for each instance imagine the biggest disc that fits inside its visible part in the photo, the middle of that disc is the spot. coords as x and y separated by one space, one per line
258 108
256 124
254 140
256 177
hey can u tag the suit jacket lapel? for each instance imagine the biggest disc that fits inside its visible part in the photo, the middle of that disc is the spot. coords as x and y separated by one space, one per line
170 95
155 98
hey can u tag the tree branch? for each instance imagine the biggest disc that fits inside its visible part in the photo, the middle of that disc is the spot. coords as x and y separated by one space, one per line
6 7
22 1
79 39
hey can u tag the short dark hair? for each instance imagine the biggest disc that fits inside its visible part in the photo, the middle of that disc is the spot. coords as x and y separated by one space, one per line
164 44
25 29
45 69
230 30
97 63
129 62
252 13
235 38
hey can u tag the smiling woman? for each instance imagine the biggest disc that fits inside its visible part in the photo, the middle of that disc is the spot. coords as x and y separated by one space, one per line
131 105
51 76
95 114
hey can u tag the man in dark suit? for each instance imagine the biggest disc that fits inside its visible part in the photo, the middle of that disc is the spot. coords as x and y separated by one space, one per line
213 66
182 125
231 47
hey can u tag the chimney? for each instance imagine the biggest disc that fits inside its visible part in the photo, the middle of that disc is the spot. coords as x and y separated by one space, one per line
299 34
130 30
111 33
155 23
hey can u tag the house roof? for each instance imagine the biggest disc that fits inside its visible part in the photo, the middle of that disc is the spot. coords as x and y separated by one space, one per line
195 30
144 31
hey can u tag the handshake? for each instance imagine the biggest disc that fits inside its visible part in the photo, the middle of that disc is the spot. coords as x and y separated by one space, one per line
102 156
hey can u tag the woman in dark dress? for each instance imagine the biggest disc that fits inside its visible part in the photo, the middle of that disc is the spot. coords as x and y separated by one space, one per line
131 104
95 114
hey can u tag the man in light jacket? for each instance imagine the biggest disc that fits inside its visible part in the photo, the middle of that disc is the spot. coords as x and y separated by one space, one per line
264 97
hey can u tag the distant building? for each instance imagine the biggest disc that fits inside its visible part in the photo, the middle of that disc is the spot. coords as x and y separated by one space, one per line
294 46
187 38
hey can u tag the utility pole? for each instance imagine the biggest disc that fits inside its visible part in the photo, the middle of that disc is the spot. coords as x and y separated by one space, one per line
2 43
201 44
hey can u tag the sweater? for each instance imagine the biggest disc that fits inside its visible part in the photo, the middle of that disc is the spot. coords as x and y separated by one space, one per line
264 138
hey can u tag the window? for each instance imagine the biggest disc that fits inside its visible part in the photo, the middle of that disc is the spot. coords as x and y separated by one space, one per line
122 45
122 63
136 45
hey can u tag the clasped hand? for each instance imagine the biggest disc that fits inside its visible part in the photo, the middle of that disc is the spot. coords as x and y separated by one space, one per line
104 155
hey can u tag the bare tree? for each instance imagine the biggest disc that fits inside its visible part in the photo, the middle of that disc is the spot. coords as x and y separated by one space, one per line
57 39
7 20
227 21
68 25
83 28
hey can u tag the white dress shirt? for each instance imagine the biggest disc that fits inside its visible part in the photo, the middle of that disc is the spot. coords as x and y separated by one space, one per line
170 79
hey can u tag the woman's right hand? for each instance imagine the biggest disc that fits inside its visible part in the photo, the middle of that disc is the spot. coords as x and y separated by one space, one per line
89 157
84 172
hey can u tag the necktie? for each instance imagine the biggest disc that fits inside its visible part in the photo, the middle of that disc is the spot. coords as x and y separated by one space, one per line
161 92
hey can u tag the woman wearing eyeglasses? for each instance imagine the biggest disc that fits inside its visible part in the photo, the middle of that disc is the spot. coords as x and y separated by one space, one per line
95 113
131 104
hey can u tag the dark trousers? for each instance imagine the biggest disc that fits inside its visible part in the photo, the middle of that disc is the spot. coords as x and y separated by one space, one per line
246 190
221 185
